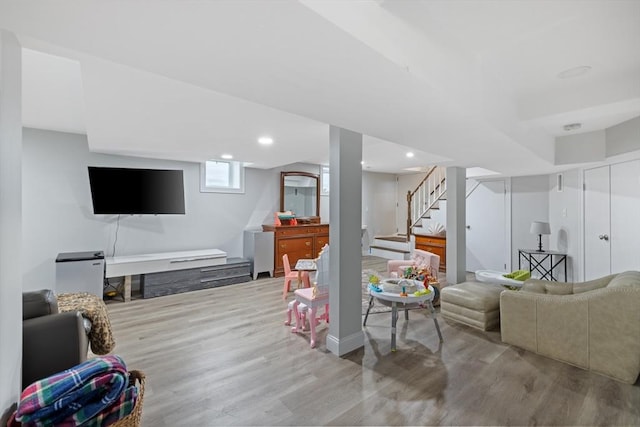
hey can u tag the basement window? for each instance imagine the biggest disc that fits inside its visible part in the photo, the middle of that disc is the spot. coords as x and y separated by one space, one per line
324 179
221 176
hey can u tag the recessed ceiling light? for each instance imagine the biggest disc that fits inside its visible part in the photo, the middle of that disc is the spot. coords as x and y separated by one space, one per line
227 156
574 72
572 126
409 154
362 162
265 140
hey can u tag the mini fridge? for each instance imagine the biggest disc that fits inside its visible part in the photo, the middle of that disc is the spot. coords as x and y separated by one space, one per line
80 272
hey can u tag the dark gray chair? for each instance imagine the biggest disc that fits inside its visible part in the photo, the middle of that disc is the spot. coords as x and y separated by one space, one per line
51 341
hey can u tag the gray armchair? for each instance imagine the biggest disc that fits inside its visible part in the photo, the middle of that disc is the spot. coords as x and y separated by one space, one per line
51 341
594 325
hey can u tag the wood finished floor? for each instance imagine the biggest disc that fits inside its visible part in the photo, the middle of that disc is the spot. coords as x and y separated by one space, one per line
224 357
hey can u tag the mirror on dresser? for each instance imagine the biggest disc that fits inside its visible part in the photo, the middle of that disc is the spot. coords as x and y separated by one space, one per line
300 194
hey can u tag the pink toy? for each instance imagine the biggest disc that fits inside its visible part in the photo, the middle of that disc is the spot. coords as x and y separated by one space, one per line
302 311
290 275
418 258
314 297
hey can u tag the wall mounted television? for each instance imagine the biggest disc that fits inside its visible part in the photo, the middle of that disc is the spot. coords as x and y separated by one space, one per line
136 191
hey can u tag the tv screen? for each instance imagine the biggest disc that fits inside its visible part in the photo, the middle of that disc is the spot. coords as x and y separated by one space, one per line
136 191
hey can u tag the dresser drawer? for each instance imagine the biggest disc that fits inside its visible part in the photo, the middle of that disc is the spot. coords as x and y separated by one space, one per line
297 241
427 240
295 245
320 242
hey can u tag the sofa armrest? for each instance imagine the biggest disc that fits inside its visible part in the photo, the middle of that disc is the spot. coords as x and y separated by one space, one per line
51 344
39 303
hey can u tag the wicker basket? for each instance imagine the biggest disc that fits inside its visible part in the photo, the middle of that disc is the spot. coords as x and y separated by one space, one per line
133 419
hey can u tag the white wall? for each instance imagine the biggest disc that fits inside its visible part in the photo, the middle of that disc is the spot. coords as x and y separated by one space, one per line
58 215
378 206
623 138
580 148
529 202
565 219
10 223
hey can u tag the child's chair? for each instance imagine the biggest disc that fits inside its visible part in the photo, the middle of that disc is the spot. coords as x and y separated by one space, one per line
314 297
302 313
290 275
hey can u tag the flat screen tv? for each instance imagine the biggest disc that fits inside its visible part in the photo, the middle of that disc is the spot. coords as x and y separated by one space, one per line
136 191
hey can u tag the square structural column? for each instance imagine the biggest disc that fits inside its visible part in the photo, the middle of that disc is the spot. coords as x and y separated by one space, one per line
456 225
345 227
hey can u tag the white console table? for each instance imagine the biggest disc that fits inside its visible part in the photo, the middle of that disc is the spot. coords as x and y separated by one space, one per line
154 263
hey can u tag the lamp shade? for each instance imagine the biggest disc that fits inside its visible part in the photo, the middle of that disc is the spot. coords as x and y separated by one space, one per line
539 227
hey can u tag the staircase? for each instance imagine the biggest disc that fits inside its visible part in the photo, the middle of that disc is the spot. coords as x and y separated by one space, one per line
420 203
424 199
391 247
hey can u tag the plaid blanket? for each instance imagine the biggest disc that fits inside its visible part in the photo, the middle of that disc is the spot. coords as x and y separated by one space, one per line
93 393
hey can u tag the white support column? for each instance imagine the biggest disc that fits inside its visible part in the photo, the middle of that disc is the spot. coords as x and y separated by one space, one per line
345 223
10 221
456 225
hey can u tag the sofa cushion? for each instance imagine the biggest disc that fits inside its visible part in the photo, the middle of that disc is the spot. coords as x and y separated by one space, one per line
477 296
559 288
626 279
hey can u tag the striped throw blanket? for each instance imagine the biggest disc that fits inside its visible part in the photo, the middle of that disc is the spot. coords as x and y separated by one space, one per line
94 393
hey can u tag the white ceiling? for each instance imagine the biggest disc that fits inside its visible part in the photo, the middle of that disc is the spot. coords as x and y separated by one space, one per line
467 83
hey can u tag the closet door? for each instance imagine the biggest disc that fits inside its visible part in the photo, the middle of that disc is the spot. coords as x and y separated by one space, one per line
597 252
486 231
625 216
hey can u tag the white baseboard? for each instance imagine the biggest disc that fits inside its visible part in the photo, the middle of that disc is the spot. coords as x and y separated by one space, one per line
340 347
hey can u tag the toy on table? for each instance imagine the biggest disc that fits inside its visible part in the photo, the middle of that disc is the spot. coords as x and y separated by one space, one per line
374 287
422 292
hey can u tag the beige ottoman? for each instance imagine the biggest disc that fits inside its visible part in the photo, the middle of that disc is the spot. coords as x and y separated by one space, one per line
472 303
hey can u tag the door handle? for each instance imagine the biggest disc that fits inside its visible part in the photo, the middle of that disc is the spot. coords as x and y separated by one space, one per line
603 237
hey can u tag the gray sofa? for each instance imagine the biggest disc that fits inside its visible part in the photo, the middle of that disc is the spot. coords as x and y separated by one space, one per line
594 325
52 341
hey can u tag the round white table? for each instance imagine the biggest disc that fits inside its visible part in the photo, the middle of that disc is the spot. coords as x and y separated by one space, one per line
409 301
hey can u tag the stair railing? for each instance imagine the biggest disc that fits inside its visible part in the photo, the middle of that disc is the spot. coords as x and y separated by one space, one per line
425 196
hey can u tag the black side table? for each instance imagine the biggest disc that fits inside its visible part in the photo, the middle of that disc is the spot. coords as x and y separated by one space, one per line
543 262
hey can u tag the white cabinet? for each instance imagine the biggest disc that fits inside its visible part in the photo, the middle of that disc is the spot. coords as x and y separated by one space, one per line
258 247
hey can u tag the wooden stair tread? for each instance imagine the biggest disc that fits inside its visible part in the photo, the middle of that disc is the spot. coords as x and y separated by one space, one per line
400 251
392 238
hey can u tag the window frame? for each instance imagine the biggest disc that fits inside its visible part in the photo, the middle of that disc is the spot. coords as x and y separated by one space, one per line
324 175
236 185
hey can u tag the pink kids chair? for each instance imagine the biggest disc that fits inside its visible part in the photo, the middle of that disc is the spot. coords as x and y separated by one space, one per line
290 275
302 313
313 298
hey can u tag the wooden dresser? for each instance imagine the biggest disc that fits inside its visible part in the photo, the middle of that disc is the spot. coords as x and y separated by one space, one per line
436 245
297 241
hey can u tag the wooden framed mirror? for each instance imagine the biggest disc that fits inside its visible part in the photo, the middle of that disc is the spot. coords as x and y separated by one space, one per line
300 193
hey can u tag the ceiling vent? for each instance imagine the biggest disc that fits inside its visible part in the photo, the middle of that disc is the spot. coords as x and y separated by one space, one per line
572 126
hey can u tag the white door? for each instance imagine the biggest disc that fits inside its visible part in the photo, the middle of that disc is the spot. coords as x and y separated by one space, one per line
597 219
625 216
486 229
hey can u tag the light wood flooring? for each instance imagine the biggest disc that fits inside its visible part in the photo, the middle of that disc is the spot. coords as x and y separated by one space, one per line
224 357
